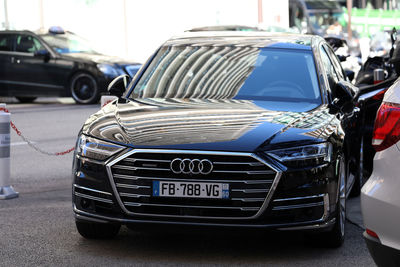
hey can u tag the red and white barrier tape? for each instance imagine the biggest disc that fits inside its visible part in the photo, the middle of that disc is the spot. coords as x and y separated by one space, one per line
30 143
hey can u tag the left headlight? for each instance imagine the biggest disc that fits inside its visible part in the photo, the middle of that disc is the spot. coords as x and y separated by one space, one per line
303 155
93 148
109 70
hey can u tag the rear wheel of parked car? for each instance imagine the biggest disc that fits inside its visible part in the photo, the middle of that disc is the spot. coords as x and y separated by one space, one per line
84 88
25 99
93 230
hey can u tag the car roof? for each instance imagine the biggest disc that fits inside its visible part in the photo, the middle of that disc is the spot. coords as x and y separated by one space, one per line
16 31
253 39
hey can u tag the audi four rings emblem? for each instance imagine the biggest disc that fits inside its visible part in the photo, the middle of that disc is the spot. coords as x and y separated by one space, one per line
191 166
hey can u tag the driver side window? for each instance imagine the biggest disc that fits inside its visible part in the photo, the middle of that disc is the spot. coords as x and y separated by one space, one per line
28 44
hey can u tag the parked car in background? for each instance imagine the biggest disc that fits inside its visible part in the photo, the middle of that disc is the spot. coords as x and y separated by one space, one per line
228 129
55 63
380 198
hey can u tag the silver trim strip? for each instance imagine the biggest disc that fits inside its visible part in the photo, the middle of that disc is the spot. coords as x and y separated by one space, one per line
121 176
129 153
250 191
299 206
298 198
311 224
248 199
131 186
309 227
247 172
122 194
237 163
134 204
151 160
123 167
93 198
93 190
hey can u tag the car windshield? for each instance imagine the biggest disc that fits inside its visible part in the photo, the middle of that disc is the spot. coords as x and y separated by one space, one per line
230 72
68 43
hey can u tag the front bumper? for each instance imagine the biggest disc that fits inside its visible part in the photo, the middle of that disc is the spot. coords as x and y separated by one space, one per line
299 200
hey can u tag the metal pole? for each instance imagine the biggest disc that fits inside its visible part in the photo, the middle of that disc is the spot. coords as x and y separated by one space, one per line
349 7
126 30
260 12
41 14
6 22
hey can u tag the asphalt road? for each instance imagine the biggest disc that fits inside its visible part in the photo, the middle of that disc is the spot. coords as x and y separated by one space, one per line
37 228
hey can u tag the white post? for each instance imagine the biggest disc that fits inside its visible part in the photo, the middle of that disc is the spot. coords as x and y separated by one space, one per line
41 14
6 190
6 21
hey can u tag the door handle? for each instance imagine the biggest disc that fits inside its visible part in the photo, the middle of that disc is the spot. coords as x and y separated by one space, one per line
15 60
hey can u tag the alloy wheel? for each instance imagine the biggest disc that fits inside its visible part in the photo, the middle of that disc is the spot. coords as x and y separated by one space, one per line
84 88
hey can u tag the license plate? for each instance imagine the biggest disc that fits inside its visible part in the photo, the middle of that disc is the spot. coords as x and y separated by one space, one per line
190 190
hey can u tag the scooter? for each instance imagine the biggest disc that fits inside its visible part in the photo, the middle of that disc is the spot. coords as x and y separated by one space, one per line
366 74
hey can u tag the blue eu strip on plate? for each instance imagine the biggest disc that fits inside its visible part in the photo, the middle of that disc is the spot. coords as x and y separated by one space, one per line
156 188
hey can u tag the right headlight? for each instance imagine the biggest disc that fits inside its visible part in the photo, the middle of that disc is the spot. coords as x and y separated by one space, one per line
93 148
308 155
110 70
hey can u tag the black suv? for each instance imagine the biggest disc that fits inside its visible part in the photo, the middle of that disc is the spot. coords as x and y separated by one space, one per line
223 129
55 63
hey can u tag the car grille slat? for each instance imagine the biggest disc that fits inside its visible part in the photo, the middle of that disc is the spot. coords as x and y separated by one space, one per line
121 176
135 204
250 182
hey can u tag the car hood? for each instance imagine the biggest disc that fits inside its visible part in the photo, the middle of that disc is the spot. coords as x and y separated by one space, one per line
220 125
97 58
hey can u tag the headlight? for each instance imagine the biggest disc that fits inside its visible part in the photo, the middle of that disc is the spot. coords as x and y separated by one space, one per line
109 70
92 148
304 155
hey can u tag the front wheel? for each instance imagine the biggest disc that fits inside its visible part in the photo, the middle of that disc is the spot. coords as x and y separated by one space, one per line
84 89
335 237
92 230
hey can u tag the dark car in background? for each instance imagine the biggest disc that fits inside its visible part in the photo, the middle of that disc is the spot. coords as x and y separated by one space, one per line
55 63
228 129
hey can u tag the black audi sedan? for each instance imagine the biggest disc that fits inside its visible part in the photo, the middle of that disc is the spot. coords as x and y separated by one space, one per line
55 63
222 129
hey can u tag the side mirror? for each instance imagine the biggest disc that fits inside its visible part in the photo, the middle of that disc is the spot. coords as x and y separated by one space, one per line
42 54
118 86
342 58
346 95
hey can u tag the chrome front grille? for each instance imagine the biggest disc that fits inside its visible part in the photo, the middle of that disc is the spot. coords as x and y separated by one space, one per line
251 182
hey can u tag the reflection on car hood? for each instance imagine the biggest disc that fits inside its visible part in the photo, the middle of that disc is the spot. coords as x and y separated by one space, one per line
223 125
97 58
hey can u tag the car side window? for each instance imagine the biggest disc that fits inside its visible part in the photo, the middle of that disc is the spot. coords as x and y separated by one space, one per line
6 42
28 44
330 70
336 63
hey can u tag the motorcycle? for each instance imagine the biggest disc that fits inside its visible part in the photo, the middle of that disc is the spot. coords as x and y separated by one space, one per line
376 61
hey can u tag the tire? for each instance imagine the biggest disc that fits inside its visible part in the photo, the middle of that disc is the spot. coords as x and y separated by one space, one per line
92 230
84 88
335 237
25 99
359 177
